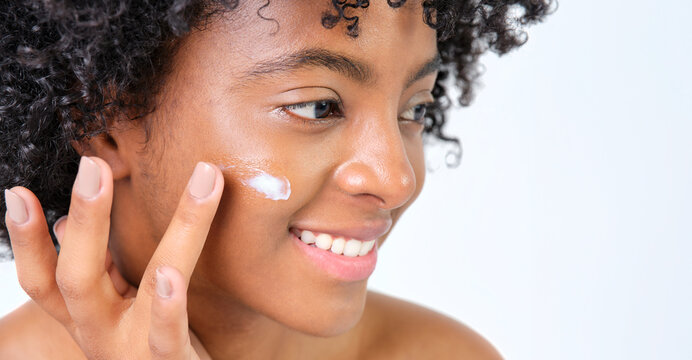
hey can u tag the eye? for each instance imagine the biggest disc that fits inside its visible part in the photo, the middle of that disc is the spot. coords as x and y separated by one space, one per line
416 113
319 109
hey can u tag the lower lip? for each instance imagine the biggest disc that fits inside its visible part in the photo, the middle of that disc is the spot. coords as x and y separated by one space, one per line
341 267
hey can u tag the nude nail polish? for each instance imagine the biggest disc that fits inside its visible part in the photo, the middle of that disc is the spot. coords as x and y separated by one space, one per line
16 207
202 181
88 180
56 224
163 285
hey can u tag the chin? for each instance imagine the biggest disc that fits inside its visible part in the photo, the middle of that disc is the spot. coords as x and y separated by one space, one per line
332 316
333 322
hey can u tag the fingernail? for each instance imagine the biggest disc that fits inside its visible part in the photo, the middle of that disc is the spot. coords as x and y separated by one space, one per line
16 207
88 180
202 182
163 286
55 226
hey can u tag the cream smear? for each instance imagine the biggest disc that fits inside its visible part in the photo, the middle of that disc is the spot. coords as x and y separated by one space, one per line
272 187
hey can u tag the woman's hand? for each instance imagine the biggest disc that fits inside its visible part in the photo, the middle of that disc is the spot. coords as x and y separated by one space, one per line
82 288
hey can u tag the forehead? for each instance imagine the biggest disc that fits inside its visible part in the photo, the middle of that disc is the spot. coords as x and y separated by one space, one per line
255 31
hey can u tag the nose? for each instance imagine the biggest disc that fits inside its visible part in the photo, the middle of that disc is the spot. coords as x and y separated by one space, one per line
378 168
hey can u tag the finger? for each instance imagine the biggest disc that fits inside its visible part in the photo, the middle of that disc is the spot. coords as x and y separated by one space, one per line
34 254
81 274
185 236
59 227
121 285
168 334
197 347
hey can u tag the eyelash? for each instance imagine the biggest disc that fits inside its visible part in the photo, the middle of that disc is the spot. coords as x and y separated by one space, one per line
339 105
307 121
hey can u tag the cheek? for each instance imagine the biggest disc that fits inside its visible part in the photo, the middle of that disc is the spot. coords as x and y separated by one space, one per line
259 201
250 257
143 206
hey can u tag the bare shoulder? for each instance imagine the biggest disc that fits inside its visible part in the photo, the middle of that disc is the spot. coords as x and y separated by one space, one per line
405 330
29 333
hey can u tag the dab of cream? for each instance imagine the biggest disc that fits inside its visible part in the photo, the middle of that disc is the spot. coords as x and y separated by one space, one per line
271 187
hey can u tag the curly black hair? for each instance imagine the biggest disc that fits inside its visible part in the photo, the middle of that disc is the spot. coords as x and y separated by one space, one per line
66 65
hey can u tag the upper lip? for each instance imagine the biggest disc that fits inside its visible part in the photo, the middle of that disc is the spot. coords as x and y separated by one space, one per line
364 231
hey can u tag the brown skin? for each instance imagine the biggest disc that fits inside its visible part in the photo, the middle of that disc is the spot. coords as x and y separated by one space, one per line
252 295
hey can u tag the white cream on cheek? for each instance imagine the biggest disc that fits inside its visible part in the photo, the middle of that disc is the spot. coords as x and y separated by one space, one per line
272 187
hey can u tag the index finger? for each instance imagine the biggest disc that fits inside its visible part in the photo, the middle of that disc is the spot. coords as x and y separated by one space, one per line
185 236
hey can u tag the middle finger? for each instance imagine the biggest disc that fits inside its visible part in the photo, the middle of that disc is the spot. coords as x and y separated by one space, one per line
81 275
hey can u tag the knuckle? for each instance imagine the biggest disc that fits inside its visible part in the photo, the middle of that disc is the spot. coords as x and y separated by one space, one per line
148 286
34 291
189 217
160 349
37 289
70 286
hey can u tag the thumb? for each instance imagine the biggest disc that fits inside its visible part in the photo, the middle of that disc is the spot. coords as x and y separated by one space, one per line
169 337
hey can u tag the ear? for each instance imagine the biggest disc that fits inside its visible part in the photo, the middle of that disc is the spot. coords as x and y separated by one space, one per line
107 148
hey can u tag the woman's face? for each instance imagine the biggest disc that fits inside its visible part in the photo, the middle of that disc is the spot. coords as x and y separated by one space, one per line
354 163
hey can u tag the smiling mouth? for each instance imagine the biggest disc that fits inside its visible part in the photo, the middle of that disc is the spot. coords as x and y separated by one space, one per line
340 257
336 244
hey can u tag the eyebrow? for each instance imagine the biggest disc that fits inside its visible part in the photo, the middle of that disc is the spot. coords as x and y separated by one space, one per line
351 68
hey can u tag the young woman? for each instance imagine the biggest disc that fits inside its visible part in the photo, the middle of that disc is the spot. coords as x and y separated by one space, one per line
218 176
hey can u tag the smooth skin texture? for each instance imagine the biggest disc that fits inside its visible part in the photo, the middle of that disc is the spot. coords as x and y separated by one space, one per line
250 293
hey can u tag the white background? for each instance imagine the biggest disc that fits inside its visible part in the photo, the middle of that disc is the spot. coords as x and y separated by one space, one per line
566 233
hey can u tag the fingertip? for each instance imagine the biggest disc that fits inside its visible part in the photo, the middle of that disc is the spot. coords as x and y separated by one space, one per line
106 170
16 207
34 255
24 208
168 333
59 227
169 282
25 194
203 180
163 285
94 178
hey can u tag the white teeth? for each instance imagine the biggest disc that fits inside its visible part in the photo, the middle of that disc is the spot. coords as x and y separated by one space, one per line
352 248
323 241
338 245
366 247
307 236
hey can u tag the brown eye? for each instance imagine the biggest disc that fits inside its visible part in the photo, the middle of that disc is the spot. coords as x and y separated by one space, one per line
416 113
319 109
